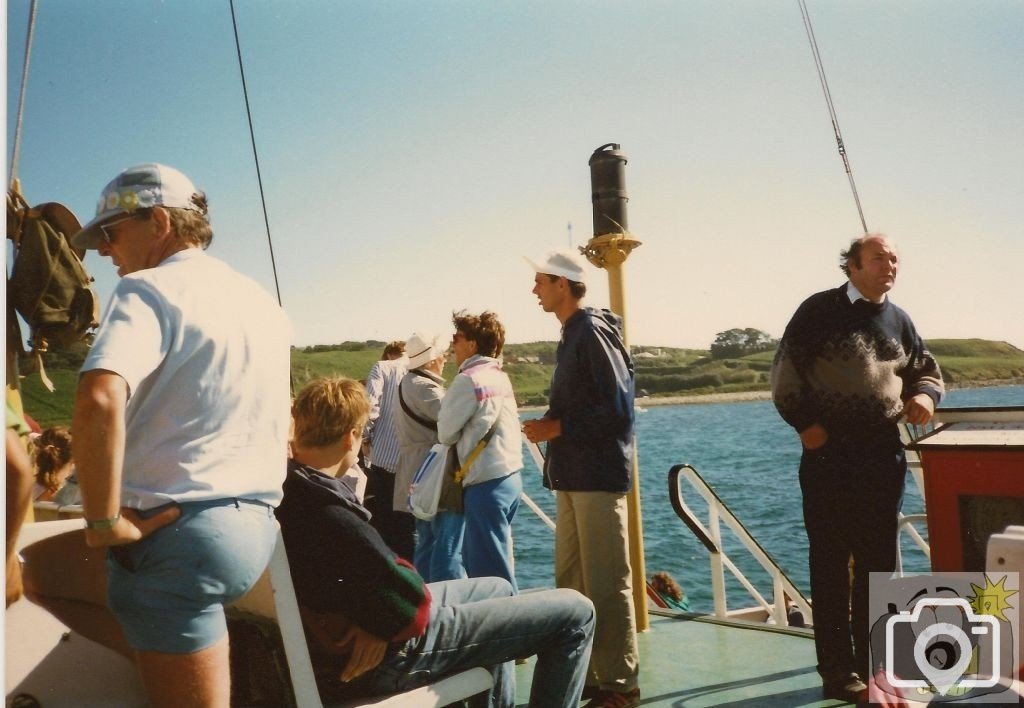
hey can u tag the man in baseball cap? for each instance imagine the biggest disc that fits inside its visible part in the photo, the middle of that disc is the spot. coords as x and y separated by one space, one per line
136 189
181 428
561 264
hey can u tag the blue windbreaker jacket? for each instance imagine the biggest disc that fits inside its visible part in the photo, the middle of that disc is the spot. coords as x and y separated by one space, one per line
592 395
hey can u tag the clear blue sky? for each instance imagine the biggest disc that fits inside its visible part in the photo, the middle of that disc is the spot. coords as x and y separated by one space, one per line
413 151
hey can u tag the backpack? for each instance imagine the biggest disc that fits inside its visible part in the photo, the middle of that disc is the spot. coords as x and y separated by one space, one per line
48 284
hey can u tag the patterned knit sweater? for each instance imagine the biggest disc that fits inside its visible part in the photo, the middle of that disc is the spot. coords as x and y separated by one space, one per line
342 569
850 366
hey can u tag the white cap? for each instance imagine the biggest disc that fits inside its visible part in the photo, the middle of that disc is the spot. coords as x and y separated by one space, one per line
423 348
564 264
139 187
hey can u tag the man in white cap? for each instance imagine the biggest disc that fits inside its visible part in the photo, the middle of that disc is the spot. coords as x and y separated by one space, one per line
589 430
180 425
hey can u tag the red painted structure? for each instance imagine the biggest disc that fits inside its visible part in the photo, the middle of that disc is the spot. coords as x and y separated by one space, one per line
974 487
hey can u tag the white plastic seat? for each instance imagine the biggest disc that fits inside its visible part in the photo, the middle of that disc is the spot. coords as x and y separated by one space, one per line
273 597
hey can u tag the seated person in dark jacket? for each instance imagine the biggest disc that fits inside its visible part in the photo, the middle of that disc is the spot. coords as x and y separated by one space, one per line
372 624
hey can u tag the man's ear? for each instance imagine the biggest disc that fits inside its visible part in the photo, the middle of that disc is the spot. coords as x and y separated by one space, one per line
161 220
352 439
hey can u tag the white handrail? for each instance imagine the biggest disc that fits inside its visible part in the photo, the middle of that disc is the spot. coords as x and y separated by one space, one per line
538 459
711 536
906 523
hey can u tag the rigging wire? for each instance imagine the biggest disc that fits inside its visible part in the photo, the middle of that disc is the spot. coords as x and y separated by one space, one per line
16 152
255 154
831 107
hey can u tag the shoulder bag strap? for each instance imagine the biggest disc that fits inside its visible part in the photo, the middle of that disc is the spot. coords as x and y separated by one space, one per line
429 424
477 450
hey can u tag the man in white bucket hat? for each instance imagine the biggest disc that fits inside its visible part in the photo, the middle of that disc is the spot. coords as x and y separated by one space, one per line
181 426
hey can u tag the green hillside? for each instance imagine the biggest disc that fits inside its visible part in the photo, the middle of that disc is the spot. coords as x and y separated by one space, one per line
660 371
965 361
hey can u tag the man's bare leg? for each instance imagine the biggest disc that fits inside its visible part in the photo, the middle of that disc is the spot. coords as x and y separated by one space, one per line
198 680
69 579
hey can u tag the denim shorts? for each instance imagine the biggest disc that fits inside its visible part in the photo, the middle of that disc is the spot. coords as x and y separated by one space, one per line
168 590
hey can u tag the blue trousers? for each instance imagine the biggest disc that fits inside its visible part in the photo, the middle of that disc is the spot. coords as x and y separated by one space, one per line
489 509
852 495
439 547
479 622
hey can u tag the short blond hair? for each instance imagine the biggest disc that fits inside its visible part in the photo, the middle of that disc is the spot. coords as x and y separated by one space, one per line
326 409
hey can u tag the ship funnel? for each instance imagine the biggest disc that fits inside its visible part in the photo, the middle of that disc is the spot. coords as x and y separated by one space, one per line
608 190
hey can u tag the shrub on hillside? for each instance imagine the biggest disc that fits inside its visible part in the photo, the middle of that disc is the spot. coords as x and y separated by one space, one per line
742 376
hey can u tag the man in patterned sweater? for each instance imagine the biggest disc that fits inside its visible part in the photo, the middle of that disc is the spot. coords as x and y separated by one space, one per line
849 365
372 624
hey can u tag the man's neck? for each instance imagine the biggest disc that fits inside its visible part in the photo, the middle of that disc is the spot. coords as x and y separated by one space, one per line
571 307
855 294
323 459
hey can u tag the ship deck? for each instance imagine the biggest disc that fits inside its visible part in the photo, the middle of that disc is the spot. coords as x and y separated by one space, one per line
685 661
696 661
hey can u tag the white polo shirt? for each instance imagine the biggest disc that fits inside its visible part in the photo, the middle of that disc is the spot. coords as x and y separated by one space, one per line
205 352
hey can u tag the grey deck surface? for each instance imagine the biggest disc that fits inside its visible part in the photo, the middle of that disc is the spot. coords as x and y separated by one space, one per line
693 663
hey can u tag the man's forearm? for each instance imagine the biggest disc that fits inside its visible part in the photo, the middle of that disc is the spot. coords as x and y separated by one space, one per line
98 429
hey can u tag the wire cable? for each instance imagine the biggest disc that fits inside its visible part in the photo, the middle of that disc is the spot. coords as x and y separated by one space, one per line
820 67
16 152
255 154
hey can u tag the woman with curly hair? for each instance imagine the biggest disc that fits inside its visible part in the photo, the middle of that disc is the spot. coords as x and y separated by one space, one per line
52 457
480 409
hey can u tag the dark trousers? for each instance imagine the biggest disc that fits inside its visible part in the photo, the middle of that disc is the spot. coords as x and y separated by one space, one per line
852 495
397 528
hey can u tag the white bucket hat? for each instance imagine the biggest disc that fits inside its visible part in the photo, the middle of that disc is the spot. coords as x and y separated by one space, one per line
564 264
423 348
140 187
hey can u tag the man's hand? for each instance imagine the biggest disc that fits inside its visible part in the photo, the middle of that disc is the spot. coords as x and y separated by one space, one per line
814 437
542 429
366 652
131 527
919 409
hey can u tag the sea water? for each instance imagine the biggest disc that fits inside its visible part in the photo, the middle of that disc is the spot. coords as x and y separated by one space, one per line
750 457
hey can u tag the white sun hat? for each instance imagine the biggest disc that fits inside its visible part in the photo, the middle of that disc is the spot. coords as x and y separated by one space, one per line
422 348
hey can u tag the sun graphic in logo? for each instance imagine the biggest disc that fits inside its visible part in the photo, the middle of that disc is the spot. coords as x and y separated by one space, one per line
129 201
991 599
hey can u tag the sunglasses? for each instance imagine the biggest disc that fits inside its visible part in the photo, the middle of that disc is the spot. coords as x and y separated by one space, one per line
108 227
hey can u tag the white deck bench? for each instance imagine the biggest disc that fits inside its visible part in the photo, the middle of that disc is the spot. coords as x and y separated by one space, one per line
273 597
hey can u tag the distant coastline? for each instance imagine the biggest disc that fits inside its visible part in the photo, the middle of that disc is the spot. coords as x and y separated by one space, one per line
742 396
745 396
730 397
649 401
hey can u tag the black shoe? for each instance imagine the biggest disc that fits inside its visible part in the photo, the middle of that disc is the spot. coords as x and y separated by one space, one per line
847 687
